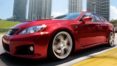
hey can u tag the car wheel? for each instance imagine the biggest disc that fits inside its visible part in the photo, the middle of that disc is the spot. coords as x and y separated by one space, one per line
111 39
61 45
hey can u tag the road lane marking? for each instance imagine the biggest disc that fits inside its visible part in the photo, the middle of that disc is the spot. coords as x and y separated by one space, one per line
1 47
86 57
70 63
108 58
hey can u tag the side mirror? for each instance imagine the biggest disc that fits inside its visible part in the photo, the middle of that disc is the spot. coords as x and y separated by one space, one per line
87 19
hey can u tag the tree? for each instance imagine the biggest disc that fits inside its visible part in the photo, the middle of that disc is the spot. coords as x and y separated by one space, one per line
114 22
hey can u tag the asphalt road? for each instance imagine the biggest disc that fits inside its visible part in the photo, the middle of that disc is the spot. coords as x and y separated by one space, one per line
7 60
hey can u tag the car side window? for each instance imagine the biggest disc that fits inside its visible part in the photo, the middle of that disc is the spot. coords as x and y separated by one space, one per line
97 18
93 18
88 15
102 19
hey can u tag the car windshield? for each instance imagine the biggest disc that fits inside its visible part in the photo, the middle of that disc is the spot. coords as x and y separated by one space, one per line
70 16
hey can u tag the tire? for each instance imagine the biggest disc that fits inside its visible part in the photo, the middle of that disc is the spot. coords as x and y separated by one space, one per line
111 39
60 46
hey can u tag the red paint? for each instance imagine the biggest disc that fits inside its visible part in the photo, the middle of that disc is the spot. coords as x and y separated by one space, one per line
85 35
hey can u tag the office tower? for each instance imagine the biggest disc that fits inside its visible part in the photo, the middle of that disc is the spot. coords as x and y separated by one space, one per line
39 9
19 12
75 6
100 7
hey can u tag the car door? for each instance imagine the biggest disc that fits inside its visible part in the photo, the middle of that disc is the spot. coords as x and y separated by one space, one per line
100 31
87 31
104 24
104 28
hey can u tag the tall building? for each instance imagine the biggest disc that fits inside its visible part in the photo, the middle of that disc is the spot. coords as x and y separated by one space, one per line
39 9
75 6
101 7
19 12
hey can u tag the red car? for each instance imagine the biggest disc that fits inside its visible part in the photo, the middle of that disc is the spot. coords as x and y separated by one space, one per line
58 38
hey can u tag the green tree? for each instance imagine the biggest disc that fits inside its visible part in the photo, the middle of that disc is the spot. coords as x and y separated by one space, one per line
114 22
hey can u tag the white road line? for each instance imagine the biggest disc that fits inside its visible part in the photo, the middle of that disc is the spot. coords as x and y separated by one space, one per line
1 48
83 58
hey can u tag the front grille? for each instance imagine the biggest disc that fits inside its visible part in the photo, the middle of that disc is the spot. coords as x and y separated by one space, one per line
6 47
12 31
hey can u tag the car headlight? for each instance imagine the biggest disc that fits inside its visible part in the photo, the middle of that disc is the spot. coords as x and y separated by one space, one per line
33 29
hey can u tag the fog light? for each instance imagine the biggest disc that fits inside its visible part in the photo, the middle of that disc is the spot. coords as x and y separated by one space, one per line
31 48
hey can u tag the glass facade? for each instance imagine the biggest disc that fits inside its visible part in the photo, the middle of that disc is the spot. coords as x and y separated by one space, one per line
101 7
39 9
19 12
75 6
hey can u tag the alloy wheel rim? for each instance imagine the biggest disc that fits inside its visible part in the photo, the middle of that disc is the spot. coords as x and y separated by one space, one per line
111 41
62 45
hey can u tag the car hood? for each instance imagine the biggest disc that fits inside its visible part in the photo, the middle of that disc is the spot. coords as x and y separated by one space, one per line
40 22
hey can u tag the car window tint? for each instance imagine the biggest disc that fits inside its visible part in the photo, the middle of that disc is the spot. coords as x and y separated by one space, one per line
72 16
93 17
97 18
60 17
102 19
69 16
88 15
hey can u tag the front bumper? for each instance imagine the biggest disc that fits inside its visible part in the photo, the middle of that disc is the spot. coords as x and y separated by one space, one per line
26 46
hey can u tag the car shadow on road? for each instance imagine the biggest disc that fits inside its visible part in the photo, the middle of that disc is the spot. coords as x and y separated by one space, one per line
12 61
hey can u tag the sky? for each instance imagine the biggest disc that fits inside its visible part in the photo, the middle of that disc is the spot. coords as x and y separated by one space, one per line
59 7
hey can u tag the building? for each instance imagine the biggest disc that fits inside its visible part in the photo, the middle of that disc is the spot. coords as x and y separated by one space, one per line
39 9
100 7
75 6
19 12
